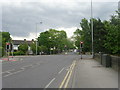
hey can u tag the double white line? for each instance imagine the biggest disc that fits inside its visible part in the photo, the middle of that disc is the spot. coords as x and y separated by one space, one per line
66 80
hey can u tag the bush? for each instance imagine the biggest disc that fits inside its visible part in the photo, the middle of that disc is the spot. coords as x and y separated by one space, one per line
18 53
1 53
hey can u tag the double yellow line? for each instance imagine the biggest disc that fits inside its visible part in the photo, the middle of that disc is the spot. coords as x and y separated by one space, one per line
66 80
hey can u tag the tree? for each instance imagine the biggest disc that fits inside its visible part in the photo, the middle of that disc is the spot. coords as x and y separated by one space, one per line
43 49
106 35
78 37
5 36
99 36
23 47
83 35
53 39
113 36
33 47
86 35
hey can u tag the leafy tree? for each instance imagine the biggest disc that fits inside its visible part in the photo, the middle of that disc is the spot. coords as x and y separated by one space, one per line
5 36
78 37
23 47
53 39
113 36
0 44
99 35
106 35
43 49
33 47
86 35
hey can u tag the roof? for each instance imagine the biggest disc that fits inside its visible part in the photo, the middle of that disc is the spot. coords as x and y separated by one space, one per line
18 42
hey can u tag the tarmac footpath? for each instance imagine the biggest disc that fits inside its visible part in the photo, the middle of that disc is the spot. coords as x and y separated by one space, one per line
88 73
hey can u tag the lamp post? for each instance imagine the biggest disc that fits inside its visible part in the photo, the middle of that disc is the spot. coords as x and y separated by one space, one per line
36 37
50 46
92 28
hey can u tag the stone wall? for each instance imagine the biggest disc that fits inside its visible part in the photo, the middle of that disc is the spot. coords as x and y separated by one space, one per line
108 60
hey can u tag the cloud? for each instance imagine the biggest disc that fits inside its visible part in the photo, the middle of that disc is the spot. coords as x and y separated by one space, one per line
20 18
69 31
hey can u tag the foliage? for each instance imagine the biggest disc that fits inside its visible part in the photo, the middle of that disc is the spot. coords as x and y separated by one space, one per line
54 39
23 47
18 53
43 49
5 36
113 36
33 47
106 35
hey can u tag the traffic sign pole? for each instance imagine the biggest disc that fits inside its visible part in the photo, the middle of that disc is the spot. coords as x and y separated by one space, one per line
8 49
81 46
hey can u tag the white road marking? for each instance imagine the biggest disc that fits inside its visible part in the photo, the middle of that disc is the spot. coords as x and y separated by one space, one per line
49 83
13 73
61 70
26 66
21 59
22 68
7 71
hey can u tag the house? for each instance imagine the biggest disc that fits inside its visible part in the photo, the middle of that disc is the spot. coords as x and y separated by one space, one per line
16 44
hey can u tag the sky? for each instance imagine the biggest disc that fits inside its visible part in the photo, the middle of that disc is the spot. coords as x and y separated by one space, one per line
21 17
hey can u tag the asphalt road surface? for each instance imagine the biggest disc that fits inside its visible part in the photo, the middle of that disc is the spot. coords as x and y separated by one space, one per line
44 71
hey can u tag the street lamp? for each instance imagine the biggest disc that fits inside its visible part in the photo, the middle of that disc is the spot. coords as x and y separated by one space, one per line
36 36
50 46
92 28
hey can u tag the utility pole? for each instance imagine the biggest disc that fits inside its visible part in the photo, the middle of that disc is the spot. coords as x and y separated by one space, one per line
36 38
92 28
81 46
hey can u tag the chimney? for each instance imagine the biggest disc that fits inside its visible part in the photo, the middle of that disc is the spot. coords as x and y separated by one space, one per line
32 40
24 39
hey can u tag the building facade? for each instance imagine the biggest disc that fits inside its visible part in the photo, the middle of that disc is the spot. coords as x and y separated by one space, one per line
16 44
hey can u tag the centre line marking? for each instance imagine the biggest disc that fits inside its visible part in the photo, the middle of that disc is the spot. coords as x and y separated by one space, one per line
61 70
49 83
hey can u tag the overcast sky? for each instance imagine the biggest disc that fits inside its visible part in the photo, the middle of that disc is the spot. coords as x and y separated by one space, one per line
20 18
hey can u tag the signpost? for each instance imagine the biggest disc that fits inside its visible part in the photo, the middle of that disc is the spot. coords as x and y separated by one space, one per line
8 47
81 46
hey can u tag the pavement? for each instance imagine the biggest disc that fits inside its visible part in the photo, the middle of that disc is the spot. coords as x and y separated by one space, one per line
57 71
90 74
5 59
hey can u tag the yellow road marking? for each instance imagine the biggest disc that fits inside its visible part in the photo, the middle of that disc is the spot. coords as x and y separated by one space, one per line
66 84
67 75
61 85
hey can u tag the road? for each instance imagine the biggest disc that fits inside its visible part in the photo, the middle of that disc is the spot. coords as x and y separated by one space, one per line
46 71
